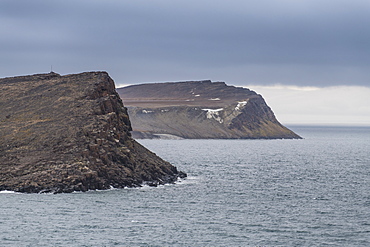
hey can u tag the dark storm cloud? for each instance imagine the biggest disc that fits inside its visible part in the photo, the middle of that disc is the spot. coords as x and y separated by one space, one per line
260 42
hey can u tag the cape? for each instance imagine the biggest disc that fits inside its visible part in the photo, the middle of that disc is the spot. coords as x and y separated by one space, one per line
200 110
71 133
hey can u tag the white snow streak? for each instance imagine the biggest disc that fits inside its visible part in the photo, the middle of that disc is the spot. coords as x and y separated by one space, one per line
214 113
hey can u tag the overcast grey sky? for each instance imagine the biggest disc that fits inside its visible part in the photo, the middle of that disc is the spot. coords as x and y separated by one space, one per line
310 59
265 42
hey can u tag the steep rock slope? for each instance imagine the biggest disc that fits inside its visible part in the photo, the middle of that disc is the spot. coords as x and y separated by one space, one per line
71 133
200 109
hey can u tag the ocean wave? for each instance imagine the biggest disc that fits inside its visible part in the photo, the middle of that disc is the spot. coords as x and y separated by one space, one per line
8 192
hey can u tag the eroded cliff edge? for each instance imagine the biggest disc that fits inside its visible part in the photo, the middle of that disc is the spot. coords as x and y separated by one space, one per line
200 110
71 133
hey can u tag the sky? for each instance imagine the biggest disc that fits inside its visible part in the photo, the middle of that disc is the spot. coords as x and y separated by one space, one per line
276 48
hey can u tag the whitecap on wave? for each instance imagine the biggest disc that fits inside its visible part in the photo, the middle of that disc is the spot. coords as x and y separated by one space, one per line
188 180
8 192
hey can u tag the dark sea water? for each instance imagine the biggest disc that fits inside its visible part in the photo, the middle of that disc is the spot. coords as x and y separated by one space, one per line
310 192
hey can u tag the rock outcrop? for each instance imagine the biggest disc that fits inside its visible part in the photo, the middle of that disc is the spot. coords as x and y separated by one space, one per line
71 133
200 110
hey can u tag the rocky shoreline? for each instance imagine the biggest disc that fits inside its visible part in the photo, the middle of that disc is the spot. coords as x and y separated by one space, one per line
71 133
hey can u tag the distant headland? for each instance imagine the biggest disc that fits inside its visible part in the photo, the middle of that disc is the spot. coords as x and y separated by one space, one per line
200 110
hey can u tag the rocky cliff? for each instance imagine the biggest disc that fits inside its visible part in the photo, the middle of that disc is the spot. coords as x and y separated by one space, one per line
200 109
71 133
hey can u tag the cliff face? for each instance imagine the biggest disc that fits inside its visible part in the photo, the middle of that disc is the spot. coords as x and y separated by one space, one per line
71 133
200 109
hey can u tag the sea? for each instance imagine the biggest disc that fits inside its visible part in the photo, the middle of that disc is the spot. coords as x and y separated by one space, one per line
309 192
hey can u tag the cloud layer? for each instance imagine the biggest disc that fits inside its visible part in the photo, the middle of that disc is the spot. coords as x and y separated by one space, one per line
320 47
343 105
307 42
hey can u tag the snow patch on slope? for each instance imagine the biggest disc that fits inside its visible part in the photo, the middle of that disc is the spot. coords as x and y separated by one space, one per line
214 113
240 105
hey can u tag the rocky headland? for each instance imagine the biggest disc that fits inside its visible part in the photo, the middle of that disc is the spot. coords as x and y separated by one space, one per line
200 110
71 133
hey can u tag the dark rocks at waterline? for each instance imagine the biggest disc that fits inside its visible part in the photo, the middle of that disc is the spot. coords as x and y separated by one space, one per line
71 133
